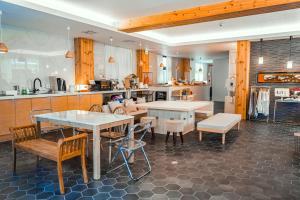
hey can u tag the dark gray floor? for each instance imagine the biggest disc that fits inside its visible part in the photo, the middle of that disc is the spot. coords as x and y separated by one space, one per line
258 162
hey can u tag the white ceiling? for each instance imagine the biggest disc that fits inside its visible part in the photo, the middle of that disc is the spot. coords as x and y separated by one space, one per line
103 16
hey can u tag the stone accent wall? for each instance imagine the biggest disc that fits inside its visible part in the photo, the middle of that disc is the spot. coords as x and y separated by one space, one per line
276 55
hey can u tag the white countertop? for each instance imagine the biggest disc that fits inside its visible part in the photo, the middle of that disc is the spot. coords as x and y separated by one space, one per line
66 94
174 105
83 117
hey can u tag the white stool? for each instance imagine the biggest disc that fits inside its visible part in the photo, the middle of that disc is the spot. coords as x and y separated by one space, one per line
153 121
174 127
297 142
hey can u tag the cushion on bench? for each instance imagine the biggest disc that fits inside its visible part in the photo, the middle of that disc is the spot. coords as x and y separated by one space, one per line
221 122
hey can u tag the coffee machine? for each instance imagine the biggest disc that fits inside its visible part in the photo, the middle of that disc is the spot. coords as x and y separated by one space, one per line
57 84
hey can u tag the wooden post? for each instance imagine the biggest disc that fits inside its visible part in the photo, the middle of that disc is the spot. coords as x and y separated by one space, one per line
242 77
84 60
142 60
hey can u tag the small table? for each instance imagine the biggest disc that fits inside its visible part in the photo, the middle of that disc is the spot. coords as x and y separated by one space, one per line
180 110
87 120
281 101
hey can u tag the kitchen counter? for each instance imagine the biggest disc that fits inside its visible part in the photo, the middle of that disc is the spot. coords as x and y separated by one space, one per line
67 94
200 92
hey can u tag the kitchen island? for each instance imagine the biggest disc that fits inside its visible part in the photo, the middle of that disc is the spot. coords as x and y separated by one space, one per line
179 110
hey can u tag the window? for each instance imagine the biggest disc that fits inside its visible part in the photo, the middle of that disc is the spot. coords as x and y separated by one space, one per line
199 72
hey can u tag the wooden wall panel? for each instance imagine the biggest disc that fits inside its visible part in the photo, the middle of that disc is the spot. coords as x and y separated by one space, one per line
84 60
242 77
59 103
142 55
23 112
7 118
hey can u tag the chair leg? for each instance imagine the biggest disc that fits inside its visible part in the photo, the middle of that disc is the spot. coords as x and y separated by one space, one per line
223 138
60 177
62 132
167 137
37 161
14 159
84 170
174 138
152 132
109 151
181 137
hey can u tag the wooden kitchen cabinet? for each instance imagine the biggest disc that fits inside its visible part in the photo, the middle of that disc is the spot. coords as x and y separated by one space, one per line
7 118
23 112
59 103
73 102
43 103
84 102
96 99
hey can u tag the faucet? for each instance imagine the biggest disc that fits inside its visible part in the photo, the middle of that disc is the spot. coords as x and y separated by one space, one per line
34 88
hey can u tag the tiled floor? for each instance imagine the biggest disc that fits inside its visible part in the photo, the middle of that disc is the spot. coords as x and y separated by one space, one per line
258 162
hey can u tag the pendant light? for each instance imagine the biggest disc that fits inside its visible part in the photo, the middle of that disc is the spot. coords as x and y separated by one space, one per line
111 59
69 53
290 61
3 47
162 64
261 58
141 63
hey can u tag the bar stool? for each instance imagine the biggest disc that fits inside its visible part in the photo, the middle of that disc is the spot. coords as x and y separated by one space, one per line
153 123
174 127
297 142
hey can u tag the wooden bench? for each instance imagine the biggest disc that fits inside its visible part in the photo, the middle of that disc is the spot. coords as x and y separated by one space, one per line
219 123
27 139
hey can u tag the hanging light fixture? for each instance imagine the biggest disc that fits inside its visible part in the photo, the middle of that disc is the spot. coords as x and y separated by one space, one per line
290 61
162 63
3 47
261 58
69 53
111 59
141 63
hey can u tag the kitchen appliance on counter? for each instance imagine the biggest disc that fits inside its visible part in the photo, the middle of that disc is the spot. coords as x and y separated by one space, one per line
101 85
131 82
57 84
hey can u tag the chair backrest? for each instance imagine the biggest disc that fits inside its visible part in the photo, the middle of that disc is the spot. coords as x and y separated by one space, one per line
120 110
96 108
139 129
23 133
72 146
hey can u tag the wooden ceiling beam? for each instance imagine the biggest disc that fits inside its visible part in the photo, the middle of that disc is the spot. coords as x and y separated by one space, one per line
206 13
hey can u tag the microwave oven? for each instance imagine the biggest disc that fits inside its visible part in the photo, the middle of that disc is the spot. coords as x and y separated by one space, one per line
101 85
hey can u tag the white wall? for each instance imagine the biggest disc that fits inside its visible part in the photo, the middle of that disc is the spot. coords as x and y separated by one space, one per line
219 75
33 54
38 54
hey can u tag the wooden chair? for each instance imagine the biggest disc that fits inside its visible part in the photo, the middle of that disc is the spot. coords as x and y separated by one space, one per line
26 138
96 108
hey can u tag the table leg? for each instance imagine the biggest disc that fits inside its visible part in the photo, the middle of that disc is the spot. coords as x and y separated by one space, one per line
200 136
39 129
96 153
131 141
274 114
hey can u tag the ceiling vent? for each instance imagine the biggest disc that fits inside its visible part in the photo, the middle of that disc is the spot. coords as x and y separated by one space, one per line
89 32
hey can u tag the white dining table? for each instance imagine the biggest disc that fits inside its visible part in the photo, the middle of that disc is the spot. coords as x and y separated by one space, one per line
180 110
94 121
